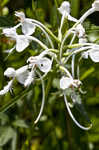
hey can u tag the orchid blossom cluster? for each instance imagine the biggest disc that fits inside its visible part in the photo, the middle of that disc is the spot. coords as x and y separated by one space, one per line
39 66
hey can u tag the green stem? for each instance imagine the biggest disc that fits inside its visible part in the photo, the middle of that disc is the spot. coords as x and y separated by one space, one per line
48 87
69 131
55 1
48 30
37 41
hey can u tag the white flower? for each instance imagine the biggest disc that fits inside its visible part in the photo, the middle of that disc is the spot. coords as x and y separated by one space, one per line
85 55
10 32
94 55
80 31
22 41
28 28
93 52
22 74
82 40
43 63
95 5
66 82
10 72
7 88
64 9
29 78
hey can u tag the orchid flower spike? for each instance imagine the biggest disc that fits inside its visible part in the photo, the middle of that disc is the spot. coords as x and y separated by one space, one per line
95 5
22 41
22 75
66 82
42 62
28 28
64 9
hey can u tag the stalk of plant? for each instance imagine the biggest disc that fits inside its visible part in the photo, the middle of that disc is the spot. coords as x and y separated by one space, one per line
49 58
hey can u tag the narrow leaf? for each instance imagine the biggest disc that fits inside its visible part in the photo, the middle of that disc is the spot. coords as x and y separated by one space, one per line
14 101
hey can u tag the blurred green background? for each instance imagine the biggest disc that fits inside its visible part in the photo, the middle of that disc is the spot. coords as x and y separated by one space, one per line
55 130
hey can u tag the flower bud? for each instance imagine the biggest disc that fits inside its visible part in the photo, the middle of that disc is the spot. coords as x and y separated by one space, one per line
65 7
96 5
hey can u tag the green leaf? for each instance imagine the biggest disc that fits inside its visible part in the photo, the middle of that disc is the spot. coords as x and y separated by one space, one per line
6 134
6 21
1 148
20 123
75 4
14 101
4 117
54 20
87 73
4 2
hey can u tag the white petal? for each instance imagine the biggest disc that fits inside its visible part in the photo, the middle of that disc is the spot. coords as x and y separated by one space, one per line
85 55
65 82
28 28
22 70
22 74
65 7
76 83
72 18
94 55
21 15
6 88
21 43
10 72
29 79
10 32
82 40
44 64
80 30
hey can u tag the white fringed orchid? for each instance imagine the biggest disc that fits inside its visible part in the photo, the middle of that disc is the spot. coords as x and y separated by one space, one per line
93 52
94 55
79 31
43 63
23 75
64 9
20 74
63 51
95 5
28 28
22 42
66 82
